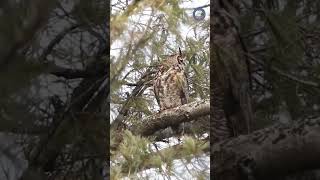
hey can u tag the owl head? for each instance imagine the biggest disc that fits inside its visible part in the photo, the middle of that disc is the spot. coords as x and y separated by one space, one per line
178 58
175 59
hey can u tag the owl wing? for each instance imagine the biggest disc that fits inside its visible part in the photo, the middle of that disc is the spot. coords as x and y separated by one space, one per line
184 92
156 87
156 93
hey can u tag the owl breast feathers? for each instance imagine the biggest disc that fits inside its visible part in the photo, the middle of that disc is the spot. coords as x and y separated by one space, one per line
170 84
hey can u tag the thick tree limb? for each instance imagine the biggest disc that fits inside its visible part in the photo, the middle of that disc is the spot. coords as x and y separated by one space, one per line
269 153
152 124
199 126
170 117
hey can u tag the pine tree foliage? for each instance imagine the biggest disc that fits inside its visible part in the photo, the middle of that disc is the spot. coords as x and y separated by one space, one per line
143 33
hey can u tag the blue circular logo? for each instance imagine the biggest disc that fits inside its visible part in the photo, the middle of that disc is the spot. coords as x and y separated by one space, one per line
199 14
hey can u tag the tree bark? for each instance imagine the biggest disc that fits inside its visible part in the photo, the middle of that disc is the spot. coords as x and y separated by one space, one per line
152 124
170 117
269 153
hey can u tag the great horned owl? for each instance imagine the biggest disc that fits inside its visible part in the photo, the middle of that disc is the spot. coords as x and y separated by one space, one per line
170 84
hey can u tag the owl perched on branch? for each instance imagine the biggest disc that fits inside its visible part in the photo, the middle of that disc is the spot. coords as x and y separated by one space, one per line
170 84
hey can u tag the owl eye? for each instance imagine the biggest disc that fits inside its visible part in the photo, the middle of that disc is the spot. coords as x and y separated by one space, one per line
180 59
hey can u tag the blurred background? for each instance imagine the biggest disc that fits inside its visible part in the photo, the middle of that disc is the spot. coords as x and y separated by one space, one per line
53 91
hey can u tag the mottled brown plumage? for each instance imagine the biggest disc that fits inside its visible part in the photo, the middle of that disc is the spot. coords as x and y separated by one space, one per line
170 84
232 107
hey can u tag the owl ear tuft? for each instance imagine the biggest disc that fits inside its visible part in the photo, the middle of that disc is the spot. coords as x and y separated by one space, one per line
180 57
180 53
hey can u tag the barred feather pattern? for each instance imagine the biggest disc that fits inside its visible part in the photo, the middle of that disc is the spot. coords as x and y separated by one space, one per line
231 71
220 125
170 84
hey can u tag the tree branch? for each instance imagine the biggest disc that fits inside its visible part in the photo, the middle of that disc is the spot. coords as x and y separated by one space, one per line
268 153
76 73
170 117
137 91
40 11
56 41
177 151
284 74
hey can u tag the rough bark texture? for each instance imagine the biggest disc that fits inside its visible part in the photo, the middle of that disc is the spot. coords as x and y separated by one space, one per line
171 117
195 111
269 153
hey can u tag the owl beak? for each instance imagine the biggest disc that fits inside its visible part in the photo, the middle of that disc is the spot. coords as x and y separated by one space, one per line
180 53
